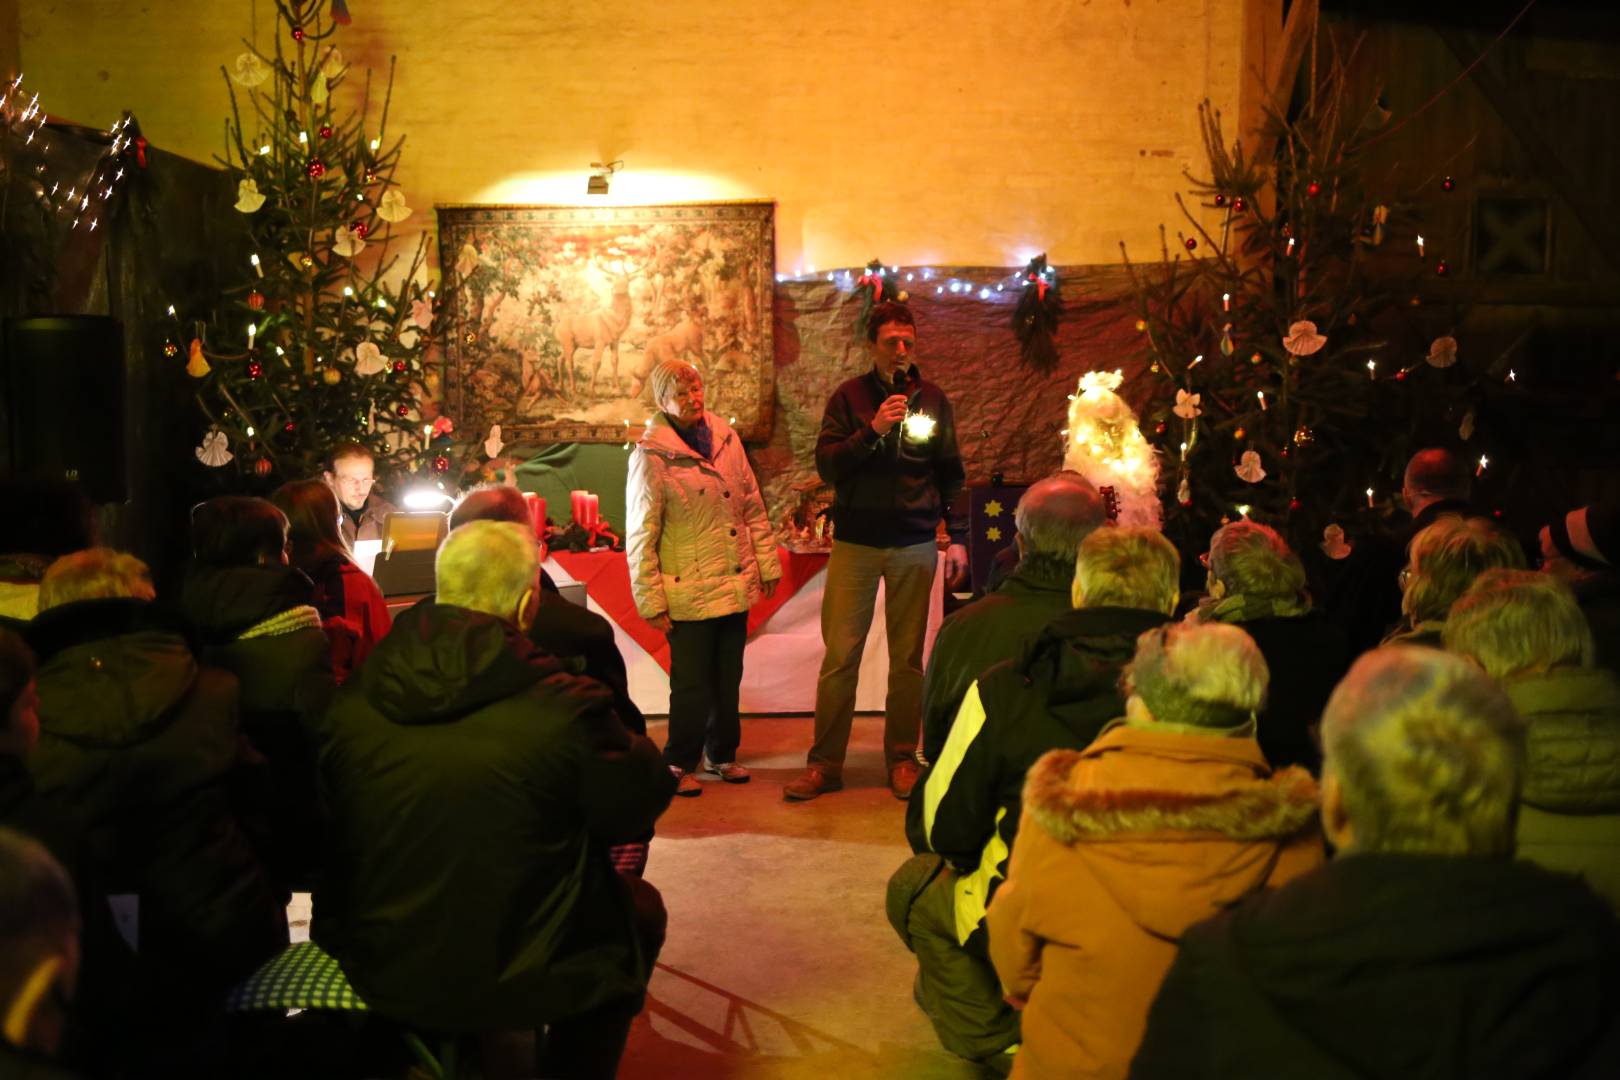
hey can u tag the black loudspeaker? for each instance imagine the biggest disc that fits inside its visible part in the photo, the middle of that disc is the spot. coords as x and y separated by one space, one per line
64 390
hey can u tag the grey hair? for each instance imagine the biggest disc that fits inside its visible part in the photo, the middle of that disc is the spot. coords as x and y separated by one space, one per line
38 908
487 566
1055 515
1199 674
95 574
1428 751
1516 621
1123 566
1251 559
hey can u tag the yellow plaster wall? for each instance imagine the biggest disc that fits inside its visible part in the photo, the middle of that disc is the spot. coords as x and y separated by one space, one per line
923 132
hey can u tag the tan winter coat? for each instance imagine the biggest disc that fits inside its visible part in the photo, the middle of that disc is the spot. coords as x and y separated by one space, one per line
697 538
1123 846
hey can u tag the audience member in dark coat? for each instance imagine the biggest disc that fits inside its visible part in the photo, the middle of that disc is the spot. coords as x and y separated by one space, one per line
140 741
1052 518
1060 694
1443 561
567 631
249 613
1423 949
475 788
1257 583
1581 548
352 609
97 1030
1362 595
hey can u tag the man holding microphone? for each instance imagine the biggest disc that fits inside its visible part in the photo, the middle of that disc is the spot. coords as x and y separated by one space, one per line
888 447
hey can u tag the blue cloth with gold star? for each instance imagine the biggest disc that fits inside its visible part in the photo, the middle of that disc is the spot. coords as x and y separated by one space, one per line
990 526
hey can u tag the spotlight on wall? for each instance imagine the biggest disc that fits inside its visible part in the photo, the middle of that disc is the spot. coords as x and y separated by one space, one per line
600 173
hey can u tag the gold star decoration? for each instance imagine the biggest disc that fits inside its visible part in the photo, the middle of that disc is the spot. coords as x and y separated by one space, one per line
992 509
992 534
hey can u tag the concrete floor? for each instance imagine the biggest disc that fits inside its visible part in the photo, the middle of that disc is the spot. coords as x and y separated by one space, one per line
779 961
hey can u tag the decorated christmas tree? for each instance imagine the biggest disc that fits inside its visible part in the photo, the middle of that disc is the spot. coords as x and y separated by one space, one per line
1293 363
326 338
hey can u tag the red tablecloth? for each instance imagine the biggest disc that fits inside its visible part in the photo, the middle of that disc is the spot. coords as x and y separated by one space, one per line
606 577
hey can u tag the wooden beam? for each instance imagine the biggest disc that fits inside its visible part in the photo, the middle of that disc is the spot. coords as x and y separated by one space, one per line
1545 158
1299 29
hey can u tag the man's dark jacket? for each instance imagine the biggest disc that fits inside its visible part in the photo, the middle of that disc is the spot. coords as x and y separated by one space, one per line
1306 656
1060 695
1392 966
570 632
890 490
475 787
284 681
996 627
139 740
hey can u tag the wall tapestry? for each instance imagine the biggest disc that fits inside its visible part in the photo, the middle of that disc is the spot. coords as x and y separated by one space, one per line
560 312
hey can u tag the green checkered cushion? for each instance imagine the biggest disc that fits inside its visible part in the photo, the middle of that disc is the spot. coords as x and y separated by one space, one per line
302 977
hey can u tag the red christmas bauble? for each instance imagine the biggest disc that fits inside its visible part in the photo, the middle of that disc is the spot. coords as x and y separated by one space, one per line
1313 189
326 131
403 410
1191 242
1441 268
255 369
298 33
1400 376
1293 504
441 464
289 427
358 228
316 168
255 300
1448 184
1158 429
1238 204
1220 199
263 466
399 367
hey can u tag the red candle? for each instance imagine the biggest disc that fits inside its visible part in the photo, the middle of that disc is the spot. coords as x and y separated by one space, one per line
592 512
537 512
576 506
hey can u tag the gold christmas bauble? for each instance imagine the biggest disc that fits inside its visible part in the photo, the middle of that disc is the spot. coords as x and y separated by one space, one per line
331 375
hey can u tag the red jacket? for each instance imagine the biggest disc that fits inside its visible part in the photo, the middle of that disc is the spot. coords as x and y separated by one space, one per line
353 612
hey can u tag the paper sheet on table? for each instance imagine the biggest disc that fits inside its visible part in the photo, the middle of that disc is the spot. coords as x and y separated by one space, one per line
366 552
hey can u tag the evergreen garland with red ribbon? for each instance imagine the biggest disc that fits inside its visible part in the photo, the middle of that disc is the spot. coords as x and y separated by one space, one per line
1035 320
874 287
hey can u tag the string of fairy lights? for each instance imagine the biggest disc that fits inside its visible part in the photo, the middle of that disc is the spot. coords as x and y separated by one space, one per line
850 279
85 200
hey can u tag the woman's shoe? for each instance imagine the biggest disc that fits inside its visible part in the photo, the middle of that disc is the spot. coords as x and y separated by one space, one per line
686 783
729 771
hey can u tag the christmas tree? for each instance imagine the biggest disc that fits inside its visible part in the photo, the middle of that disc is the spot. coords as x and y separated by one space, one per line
326 338
1292 364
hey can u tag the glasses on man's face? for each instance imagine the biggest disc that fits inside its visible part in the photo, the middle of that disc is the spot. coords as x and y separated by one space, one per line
357 483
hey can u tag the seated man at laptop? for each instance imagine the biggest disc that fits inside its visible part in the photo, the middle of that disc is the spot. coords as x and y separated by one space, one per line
475 787
351 474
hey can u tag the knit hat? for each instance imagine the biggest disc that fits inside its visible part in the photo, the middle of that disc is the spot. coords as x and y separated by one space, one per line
665 376
1588 537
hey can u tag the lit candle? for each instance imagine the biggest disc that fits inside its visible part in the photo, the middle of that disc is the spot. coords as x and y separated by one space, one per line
1369 498
257 269
1290 250
1261 394
1420 247
427 436
1226 301
1483 461
1199 359
253 330
1372 369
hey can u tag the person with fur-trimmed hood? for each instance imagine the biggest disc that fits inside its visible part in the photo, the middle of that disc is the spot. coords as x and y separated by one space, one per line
967 809
1170 815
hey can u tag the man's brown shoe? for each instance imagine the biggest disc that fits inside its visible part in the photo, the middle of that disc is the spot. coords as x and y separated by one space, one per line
903 777
816 780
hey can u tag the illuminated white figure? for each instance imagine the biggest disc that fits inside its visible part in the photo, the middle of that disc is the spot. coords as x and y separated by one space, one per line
1104 444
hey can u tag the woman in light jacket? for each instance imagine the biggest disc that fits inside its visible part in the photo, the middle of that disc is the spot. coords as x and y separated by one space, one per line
701 554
